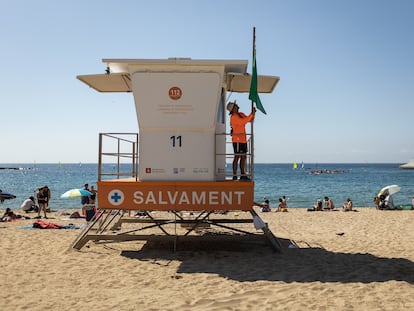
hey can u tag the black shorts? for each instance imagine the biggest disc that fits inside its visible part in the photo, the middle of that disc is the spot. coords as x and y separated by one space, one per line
240 148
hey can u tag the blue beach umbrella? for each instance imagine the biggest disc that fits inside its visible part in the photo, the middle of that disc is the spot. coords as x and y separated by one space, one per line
76 193
6 196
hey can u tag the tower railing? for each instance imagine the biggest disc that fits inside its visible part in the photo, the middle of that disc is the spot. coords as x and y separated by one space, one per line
229 156
119 157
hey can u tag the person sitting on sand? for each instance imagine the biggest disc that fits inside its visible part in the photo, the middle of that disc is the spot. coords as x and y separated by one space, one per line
264 207
284 201
376 201
381 202
347 206
329 204
281 207
316 207
386 202
29 205
389 202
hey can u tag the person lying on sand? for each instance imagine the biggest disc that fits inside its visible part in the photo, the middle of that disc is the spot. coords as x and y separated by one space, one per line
9 215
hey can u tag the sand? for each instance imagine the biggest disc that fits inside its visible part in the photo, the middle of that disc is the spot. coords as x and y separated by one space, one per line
345 261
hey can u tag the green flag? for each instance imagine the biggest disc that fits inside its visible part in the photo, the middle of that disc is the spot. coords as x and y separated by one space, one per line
253 95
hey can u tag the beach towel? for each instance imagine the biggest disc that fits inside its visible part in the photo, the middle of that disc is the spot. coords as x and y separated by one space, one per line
46 225
69 226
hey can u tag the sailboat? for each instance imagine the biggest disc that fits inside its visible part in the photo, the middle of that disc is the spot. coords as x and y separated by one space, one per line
302 166
295 165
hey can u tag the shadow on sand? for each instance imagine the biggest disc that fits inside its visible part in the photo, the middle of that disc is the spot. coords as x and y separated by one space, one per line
249 260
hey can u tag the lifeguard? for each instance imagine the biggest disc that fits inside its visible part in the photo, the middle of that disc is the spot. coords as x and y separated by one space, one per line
238 121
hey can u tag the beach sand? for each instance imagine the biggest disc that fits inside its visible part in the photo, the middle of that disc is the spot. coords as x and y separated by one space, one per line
345 261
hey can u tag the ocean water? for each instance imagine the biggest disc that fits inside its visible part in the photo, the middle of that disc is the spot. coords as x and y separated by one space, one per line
360 182
59 178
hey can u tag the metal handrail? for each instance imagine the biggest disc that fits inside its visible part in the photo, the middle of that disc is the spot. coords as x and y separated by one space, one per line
249 155
120 154
133 156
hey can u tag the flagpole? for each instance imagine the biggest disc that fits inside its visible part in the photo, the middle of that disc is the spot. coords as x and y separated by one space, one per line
252 106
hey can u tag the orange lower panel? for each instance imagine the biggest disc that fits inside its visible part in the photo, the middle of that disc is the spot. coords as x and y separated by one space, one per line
178 196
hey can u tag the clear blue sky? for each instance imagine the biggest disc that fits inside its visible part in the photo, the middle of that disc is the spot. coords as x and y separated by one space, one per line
347 72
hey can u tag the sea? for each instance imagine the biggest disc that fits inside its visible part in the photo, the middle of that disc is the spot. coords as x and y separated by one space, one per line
302 186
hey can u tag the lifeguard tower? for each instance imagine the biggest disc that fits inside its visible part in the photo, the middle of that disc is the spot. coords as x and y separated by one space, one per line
178 161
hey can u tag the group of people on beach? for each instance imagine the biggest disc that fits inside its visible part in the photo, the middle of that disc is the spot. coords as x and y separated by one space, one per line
88 202
265 206
384 202
28 205
328 205
90 198
43 195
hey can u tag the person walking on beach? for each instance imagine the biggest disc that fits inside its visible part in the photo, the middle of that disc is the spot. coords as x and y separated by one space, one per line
238 121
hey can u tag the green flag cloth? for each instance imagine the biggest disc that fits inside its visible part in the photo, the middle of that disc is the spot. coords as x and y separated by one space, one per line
253 95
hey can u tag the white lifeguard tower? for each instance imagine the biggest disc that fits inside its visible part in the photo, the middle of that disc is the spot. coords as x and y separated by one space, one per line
178 161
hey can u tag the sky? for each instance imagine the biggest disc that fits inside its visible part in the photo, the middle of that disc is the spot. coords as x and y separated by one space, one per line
346 70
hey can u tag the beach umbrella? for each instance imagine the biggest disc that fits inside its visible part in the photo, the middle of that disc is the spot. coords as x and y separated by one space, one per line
389 190
75 193
6 196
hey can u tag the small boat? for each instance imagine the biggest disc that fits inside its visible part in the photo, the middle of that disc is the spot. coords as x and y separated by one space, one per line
408 165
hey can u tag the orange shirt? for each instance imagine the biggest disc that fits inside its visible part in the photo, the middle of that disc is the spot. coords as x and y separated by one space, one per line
238 122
